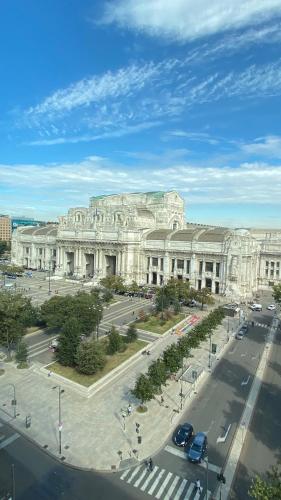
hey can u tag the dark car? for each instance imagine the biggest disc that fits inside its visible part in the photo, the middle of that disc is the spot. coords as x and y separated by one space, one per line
197 448
243 329
183 434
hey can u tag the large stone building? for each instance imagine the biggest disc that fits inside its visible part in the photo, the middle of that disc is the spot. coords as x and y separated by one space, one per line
144 237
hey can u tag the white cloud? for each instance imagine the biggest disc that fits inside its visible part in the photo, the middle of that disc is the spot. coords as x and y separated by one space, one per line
189 19
68 185
269 146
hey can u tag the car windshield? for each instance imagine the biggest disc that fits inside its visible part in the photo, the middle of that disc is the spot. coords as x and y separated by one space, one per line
196 447
182 433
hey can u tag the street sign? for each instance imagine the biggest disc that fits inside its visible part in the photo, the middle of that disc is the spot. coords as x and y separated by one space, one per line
214 348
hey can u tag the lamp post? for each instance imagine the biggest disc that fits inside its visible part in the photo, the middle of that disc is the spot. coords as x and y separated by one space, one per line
206 460
61 391
99 317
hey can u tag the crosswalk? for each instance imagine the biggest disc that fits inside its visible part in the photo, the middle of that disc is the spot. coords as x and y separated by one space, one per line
5 441
262 325
162 484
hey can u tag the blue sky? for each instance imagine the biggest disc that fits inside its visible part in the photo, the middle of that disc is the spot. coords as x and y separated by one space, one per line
136 95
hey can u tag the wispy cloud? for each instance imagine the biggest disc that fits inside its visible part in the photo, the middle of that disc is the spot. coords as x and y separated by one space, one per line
188 20
72 184
269 146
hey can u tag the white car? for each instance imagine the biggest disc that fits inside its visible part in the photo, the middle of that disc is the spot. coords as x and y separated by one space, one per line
271 307
256 307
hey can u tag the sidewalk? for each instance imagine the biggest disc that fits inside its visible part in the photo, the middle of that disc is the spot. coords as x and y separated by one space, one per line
94 433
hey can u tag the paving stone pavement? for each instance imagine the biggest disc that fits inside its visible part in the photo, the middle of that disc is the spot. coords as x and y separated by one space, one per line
93 429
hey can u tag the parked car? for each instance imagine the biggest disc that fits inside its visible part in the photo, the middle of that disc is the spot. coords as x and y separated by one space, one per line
197 448
239 335
271 307
244 329
54 345
183 434
256 307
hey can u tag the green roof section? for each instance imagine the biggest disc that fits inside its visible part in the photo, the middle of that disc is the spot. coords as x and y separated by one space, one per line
154 194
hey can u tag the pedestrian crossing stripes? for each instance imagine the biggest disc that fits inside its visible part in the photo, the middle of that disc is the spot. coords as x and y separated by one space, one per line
162 484
262 325
9 440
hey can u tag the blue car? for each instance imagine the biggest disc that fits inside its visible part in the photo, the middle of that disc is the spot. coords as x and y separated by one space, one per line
197 448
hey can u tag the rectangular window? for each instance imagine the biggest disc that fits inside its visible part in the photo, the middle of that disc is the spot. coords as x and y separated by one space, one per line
173 265
40 251
209 266
277 273
187 266
272 264
161 264
217 287
154 261
179 276
180 264
147 278
200 267
199 284
271 272
267 263
27 250
266 272
209 283
277 264
148 263
217 269
161 279
187 280
54 253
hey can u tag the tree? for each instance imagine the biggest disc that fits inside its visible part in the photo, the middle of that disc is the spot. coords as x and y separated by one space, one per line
113 283
90 357
107 296
115 341
205 296
157 373
172 358
16 312
132 334
269 488
21 352
277 293
69 341
143 389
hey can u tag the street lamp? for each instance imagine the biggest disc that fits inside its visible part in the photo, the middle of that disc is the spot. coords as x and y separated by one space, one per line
206 460
49 278
99 318
61 391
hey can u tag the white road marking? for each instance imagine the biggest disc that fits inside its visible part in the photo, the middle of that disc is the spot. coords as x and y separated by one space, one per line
189 491
139 480
145 484
164 485
245 382
136 470
156 482
222 439
175 451
171 489
125 474
180 490
9 440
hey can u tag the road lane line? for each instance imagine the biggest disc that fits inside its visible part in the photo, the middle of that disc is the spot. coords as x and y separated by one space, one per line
169 475
125 474
9 440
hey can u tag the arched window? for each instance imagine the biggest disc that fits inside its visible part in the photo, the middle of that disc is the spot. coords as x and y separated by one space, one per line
175 225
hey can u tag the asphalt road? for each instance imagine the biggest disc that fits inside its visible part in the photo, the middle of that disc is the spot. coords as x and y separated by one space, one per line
262 447
39 477
216 411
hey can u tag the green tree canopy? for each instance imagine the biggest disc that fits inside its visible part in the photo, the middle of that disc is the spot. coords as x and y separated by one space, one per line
132 334
90 357
143 389
21 352
16 313
277 293
268 488
69 341
115 341
86 308
157 373
3 247
113 283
